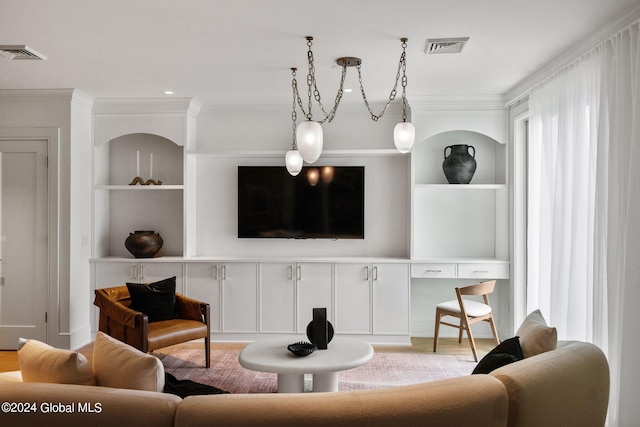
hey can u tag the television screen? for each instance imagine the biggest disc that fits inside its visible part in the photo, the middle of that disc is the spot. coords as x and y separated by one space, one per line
325 202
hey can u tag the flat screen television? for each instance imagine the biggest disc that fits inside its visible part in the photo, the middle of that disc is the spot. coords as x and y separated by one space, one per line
324 202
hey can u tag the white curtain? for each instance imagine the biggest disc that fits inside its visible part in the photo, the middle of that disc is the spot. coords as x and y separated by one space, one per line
584 209
562 168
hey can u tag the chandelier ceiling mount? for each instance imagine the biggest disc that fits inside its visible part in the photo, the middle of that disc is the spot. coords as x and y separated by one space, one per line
308 137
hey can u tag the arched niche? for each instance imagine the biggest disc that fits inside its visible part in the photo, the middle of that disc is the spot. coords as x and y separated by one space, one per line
489 154
149 156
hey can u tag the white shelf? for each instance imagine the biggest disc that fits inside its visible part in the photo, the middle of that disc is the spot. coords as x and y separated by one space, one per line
459 260
139 187
455 187
281 153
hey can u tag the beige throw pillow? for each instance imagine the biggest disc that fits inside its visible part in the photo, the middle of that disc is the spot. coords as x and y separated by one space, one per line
41 363
118 365
536 336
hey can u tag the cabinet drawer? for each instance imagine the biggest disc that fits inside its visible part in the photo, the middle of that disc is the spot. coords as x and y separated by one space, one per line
433 270
483 271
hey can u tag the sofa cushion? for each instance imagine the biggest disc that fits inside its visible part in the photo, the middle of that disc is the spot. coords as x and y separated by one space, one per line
536 336
568 386
157 300
508 351
118 365
473 400
42 363
90 406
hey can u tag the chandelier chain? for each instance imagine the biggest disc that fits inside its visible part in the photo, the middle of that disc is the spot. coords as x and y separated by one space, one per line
314 93
294 115
404 80
311 81
402 68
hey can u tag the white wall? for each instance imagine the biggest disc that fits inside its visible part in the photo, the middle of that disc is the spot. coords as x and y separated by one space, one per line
80 187
268 127
260 136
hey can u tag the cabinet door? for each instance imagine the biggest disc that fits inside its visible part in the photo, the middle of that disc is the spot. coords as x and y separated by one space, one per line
353 298
391 299
277 298
202 284
107 275
154 271
315 290
239 297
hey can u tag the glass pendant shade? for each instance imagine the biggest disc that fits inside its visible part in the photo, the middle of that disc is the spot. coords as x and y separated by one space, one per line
403 136
309 140
293 161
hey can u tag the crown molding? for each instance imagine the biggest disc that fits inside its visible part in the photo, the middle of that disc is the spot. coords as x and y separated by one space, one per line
524 87
37 94
190 106
81 98
456 102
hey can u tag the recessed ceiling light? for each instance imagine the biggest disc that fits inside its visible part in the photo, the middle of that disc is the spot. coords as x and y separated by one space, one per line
168 92
348 90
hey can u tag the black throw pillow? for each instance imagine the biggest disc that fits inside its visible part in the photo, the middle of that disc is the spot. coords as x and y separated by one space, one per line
157 300
184 388
508 351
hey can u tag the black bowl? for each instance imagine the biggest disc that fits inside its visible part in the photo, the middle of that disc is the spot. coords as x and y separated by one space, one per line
302 348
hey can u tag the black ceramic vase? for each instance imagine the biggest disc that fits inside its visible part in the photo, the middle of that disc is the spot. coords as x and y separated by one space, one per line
143 244
459 166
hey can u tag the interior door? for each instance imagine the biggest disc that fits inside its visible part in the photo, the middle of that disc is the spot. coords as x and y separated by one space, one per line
23 241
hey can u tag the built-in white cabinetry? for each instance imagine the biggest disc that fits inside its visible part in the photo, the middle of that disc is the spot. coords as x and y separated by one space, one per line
109 274
290 291
460 220
278 297
372 298
231 290
353 298
315 290
417 225
239 282
143 139
459 232
202 283
460 224
390 299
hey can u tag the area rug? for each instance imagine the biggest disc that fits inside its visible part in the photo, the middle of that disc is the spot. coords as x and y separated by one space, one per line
384 370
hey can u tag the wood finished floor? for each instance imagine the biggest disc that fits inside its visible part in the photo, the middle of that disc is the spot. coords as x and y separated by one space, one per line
9 359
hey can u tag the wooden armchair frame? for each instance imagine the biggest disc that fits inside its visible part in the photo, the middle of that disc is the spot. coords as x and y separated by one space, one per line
193 321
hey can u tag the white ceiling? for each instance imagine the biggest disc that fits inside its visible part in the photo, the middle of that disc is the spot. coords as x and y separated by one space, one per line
241 51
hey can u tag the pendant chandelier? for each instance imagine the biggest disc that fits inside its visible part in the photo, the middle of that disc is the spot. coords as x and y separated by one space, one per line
307 136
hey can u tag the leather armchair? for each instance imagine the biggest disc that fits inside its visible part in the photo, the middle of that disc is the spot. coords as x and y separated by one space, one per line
133 327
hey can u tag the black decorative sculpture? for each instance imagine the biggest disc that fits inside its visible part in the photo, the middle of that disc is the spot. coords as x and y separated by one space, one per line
320 330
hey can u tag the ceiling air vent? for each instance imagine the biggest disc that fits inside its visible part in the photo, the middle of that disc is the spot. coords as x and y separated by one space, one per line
452 45
20 52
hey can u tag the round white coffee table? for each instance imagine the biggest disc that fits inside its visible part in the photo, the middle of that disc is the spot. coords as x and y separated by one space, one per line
271 355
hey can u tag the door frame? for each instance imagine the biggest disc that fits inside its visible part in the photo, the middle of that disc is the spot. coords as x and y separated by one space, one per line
518 118
51 136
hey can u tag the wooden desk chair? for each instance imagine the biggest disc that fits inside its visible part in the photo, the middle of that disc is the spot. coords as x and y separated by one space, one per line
132 327
468 311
